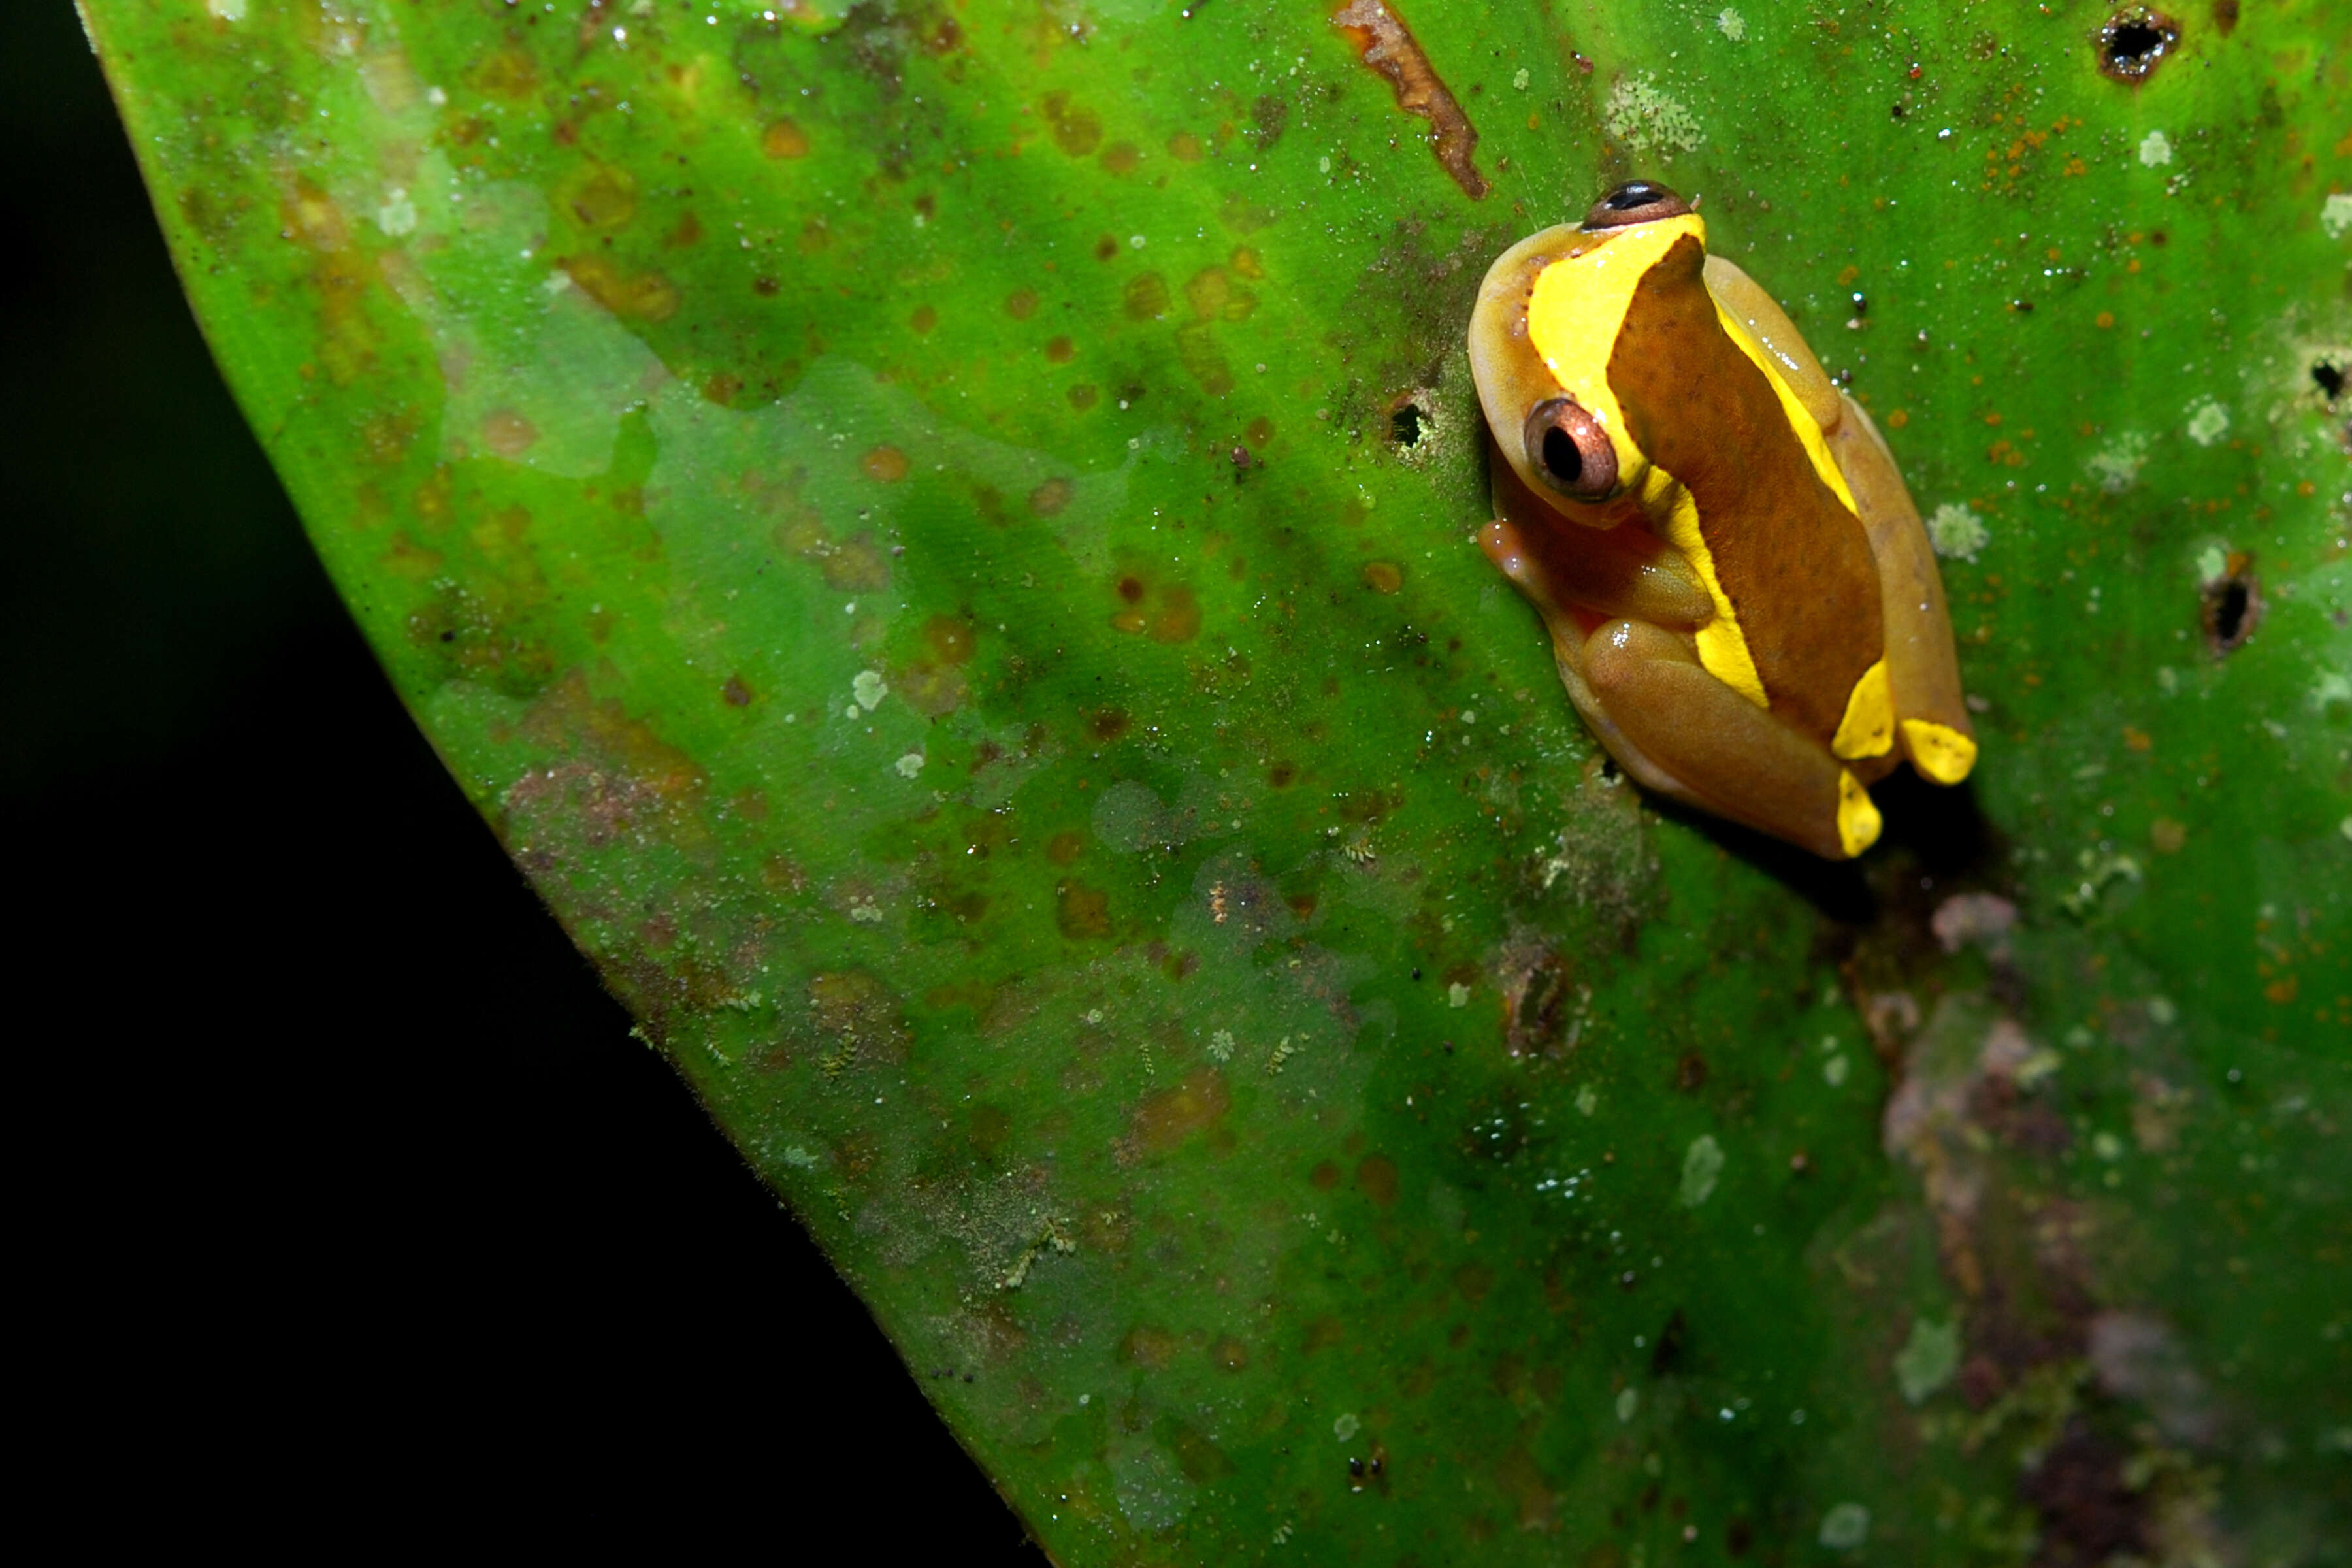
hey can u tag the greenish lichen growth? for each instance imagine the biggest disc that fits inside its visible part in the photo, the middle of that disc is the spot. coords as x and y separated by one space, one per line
1645 118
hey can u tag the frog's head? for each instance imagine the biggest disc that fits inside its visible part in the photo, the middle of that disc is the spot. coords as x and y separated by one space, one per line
1551 314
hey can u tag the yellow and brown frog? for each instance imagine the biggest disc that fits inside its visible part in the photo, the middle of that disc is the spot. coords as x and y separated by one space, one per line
1742 601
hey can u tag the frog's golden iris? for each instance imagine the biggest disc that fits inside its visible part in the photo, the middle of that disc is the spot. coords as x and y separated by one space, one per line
1740 595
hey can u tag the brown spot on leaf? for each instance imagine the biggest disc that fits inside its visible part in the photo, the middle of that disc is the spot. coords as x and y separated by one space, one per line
953 638
1149 1347
1229 1354
1165 1120
1146 297
1179 619
1021 304
1060 350
1389 47
1081 912
886 464
784 139
639 295
508 434
1475 1280
1051 496
602 197
735 693
861 1014
1077 130
1376 1178
1383 576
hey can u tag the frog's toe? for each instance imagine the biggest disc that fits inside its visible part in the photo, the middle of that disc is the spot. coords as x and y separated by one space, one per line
1938 751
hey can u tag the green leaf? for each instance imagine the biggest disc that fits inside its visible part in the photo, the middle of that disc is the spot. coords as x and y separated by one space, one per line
940 537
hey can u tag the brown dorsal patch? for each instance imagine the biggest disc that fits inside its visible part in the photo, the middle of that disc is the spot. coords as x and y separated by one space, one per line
1793 560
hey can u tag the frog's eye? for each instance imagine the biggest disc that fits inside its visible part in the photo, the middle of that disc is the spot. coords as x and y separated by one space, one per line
1640 201
1570 451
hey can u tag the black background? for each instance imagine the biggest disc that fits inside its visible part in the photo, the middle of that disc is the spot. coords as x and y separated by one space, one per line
341 1181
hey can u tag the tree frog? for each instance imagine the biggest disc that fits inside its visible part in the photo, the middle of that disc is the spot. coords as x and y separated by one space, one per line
1741 599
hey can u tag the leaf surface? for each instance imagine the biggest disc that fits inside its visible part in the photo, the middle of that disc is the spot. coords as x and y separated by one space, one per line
940 537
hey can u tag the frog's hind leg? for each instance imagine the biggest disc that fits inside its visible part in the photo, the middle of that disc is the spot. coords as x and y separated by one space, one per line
1923 670
1679 731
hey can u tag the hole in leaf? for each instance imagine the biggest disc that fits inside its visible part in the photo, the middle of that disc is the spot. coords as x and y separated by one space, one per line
2135 41
2231 606
2328 376
1405 423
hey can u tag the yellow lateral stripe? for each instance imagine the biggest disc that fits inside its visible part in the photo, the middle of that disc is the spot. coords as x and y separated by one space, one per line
1857 818
1801 418
1868 728
1722 646
1576 306
1938 751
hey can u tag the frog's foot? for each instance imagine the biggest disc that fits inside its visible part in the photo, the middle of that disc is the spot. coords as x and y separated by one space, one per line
1922 671
1679 731
1563 566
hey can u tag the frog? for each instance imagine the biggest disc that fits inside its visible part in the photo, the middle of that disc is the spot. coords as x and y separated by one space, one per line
1742 602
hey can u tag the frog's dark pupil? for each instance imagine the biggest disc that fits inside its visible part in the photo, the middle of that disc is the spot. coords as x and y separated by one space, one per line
1560 456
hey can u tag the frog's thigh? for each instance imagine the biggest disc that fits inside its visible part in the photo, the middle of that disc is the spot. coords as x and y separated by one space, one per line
1716 749
1922 672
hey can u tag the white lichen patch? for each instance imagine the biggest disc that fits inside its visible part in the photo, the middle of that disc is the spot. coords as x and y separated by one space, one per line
910 765
2207 422
1346 1426
1702 1165
1458 995
2335 213
226 10
1628 1401
1221 1046
2212 562
1587 1101
2331 686
1927 1358
2155 149
1833 1071
1644 117
2117 465
868 689
1845 1527
1519 79
1731 24
1956 532
397 216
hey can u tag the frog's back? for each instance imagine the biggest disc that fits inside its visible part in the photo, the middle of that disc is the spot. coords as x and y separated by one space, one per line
1787 549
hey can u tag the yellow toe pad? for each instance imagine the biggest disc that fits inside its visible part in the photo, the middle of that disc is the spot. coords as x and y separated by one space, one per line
1857 818
1937 751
